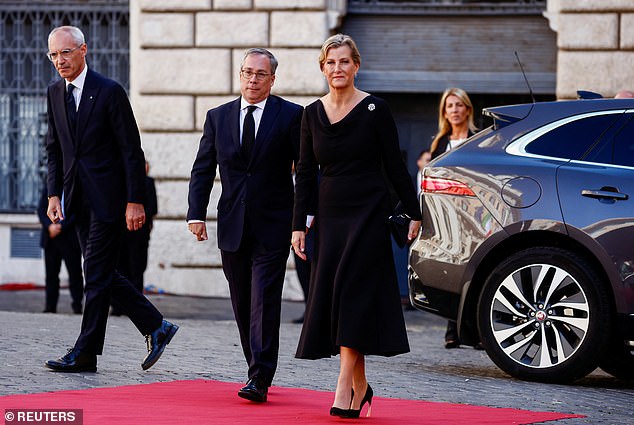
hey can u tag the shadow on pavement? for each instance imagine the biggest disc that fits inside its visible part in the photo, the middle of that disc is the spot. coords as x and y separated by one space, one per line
177 307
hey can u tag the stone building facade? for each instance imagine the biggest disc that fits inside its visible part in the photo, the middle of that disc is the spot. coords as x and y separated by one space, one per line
595 42
184 60
185 57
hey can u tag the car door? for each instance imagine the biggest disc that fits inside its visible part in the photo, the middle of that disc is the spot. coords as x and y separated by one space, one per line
597 201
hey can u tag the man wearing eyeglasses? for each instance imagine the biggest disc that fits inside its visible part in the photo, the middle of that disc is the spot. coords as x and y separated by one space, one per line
96 165
253 141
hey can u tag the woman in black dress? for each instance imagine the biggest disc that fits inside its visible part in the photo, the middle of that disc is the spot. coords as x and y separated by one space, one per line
348 137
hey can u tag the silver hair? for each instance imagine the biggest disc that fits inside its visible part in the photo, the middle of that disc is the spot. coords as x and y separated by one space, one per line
261 51
74 32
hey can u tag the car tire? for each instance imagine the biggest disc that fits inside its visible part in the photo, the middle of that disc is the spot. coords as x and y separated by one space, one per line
618 360
544 297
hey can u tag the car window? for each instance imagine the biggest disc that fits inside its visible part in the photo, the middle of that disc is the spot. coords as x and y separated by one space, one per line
623 145
573 139
617 148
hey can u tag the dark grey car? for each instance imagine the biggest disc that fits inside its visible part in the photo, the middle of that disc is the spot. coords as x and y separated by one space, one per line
528 239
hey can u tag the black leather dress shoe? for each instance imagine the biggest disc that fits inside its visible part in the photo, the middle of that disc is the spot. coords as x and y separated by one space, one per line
74 361
452 343
156 343
255 390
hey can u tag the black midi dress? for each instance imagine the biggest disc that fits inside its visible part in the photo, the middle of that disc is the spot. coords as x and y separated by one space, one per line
353 296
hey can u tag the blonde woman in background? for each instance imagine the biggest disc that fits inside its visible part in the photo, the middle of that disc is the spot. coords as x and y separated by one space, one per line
455 125
455 121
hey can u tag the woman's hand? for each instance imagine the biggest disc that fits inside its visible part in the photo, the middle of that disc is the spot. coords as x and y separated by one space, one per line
414 227
298 242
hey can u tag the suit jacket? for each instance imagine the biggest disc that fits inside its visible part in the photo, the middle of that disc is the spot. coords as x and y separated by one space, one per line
102 160
259 191
151 203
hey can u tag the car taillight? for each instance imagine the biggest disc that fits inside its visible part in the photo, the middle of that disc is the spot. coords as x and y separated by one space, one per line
445 186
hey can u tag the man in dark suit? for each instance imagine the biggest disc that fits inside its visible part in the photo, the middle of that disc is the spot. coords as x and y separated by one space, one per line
59 241
95 160
253 140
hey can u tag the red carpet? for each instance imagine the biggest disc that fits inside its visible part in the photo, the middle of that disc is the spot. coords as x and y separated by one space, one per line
17 286
213 402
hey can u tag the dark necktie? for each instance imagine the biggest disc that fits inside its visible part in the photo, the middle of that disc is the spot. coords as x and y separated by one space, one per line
248 132
71 108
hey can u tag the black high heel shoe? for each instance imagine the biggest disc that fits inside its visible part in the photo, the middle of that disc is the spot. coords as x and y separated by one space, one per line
342 413
352 413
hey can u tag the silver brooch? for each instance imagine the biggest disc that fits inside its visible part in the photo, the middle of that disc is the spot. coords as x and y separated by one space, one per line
371 107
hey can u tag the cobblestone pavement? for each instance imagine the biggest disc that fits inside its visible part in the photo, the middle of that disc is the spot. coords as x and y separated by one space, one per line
206 347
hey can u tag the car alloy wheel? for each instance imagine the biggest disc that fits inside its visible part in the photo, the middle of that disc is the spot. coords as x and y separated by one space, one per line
543 315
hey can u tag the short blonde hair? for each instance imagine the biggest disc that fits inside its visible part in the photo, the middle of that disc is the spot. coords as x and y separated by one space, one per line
335 41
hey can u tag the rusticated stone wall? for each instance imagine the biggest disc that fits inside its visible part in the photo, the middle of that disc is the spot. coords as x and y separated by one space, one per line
185 57
596 45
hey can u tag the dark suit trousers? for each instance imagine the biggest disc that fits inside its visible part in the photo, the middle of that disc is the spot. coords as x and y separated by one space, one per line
63 247
133 255
100 247
256 278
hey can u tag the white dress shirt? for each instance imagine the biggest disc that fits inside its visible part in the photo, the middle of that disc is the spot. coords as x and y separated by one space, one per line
257 114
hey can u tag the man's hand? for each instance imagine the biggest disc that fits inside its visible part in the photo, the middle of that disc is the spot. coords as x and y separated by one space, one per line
134 216
298 242
54 211
199 230
54 230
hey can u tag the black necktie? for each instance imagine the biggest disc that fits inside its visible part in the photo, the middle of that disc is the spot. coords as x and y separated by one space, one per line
71 108
248 132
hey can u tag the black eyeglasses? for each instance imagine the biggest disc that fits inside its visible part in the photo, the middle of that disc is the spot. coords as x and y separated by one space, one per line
247 74
65 53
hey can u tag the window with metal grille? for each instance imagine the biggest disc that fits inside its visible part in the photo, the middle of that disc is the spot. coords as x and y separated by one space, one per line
446 7
25 243
25 72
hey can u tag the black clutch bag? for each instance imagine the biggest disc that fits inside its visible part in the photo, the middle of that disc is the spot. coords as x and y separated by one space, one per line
399 226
